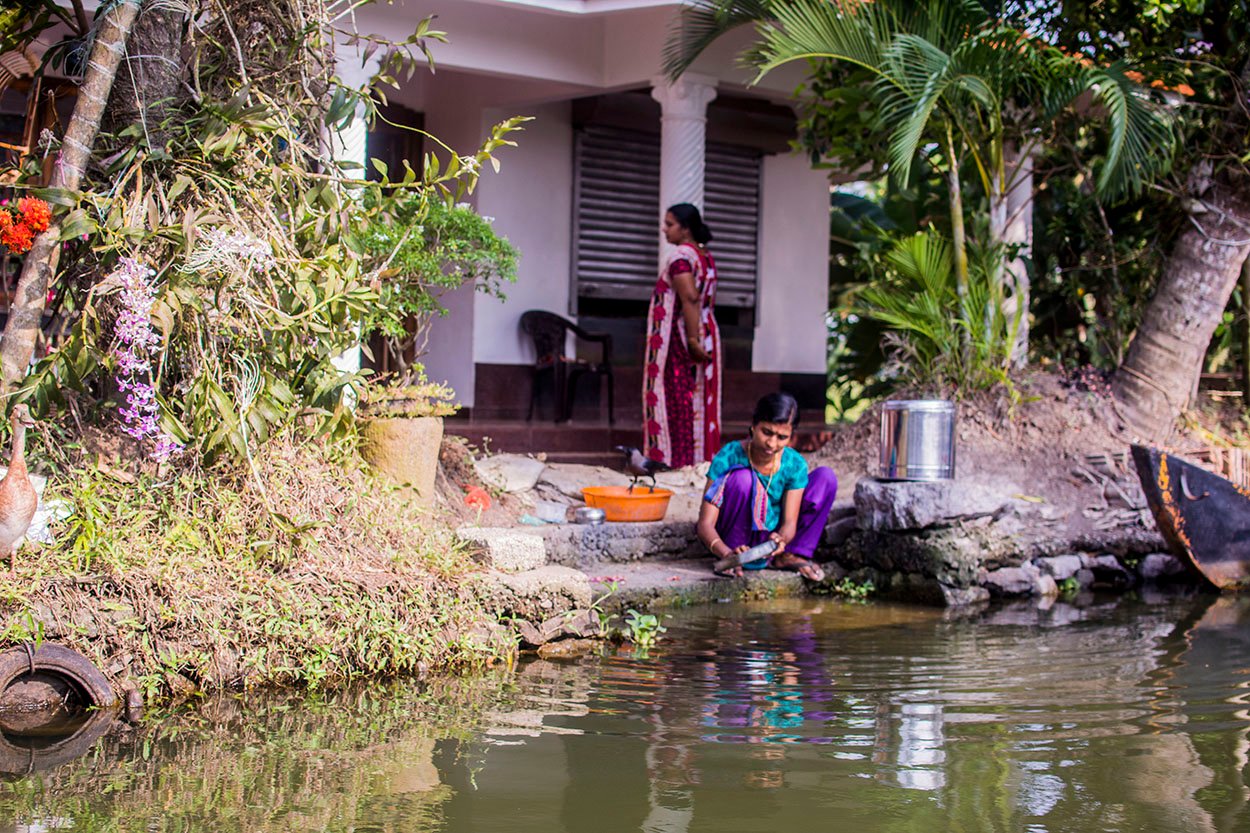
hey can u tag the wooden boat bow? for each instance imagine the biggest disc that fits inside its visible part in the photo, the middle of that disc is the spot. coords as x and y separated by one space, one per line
1205 518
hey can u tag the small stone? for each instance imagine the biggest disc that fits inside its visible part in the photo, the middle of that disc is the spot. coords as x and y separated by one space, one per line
568 649
531 636
1060 567
1084 576
1160 565
583 624
510 472
1045 587
962 596
1009 581
179 686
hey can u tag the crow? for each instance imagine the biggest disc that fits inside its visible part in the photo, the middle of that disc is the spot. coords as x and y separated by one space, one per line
638 466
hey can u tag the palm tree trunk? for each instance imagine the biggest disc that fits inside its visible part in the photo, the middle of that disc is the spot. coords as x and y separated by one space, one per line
26 311
1245 335
958 237
1164 360
1011 224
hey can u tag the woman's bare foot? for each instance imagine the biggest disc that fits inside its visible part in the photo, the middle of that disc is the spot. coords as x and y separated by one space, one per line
805 567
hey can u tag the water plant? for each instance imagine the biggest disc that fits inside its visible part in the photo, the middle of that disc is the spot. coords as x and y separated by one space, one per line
1069 587
644 628
854 591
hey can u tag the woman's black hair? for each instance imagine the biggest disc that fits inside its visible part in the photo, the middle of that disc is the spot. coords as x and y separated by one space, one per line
778 408
688 217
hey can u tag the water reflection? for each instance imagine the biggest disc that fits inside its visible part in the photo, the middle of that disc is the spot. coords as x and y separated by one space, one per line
792 715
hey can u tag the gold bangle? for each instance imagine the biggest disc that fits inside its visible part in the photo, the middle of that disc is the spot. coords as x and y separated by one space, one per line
712 546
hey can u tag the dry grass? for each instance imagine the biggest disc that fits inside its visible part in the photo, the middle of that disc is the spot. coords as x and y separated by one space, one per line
302 569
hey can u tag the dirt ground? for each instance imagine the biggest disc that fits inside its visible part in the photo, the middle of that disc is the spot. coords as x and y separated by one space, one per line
1062 444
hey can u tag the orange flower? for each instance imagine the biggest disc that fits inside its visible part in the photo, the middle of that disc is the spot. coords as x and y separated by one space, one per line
1184 89
477 497
35 213
1134 75
17 238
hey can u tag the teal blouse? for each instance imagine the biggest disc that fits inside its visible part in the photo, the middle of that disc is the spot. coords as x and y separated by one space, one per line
791 475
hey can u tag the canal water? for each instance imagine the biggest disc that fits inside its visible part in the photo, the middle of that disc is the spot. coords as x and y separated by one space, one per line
791 715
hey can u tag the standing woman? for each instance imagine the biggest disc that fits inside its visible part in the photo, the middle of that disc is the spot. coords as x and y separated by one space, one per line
682 371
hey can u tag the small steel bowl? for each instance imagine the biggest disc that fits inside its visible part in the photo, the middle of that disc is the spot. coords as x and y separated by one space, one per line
588 515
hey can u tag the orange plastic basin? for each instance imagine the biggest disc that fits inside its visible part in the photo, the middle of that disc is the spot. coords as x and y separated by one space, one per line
619 504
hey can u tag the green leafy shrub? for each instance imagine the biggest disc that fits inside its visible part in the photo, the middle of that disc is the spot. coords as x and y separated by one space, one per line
936 336
427 248
253 244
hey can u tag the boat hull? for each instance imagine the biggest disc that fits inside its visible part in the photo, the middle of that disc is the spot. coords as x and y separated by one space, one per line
1203 517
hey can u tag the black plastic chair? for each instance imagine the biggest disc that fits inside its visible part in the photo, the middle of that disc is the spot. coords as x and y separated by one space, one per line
549 333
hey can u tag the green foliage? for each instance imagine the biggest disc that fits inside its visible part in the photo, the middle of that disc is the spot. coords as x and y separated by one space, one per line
644 628
1094 267
236 579
259 240
854 591
937 337
426 248
418 397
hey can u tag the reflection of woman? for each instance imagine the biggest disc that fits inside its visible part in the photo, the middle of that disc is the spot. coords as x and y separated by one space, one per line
759 489
681 379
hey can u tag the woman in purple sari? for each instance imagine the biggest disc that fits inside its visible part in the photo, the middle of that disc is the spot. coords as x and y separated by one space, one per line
759 489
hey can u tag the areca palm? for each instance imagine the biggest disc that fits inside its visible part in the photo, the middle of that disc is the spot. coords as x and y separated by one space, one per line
953 85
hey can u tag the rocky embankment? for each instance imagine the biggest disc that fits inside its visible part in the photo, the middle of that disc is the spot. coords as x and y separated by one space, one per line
951 543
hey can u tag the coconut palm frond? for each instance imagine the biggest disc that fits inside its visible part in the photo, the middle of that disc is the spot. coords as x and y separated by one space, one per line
1141 131
1141 137
702 23
856 33
924 259
941 22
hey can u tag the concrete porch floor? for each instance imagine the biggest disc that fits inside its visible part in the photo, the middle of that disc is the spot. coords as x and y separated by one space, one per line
586 441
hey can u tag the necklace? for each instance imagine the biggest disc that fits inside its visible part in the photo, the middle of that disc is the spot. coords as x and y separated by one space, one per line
750 452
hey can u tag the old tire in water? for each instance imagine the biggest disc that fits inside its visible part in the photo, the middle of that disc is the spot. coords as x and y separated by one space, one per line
26 754
59 664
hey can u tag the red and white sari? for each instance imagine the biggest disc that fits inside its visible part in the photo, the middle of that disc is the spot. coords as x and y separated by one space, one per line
681 397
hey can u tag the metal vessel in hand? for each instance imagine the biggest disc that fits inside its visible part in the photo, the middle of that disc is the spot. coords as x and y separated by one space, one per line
747 556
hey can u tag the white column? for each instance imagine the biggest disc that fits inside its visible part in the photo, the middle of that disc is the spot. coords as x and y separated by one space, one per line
350 144
683 134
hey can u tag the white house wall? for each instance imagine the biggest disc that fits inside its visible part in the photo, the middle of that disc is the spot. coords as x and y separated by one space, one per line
449 352
790 333
514 59
531 199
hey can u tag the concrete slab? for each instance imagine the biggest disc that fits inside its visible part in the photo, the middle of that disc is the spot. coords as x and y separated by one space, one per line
654 585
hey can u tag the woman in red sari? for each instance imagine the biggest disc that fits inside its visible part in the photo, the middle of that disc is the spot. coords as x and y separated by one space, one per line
682 371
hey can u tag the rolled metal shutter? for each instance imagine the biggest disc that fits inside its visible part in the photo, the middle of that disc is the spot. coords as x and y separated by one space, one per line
731 208
617 209
616 205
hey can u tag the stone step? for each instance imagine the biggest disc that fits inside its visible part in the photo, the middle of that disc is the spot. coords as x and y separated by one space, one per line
505 549
585 545
535 595
655 585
